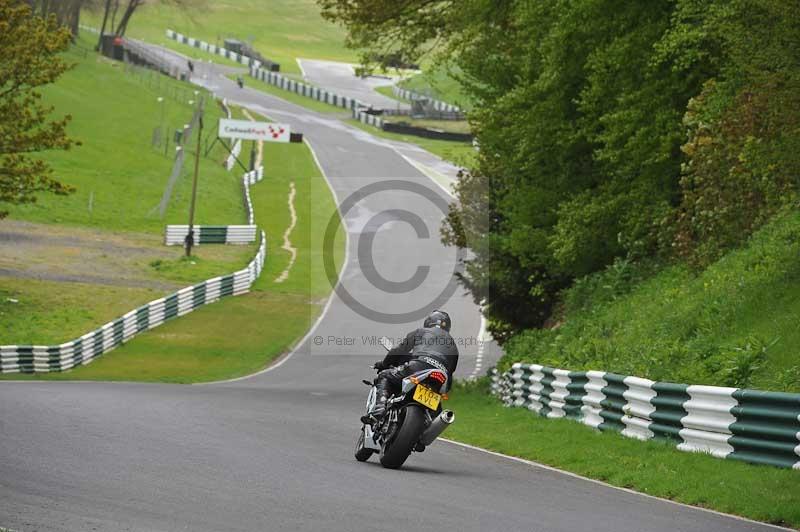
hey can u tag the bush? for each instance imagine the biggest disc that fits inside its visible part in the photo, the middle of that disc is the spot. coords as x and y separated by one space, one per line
734 324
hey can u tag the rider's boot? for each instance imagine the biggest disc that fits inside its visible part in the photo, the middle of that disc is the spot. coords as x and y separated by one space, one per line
379 408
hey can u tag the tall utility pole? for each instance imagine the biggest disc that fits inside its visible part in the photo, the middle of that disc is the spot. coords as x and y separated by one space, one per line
190 235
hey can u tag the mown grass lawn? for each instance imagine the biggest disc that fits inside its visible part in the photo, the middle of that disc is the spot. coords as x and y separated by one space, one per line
119 176
758 492
281 30
386 90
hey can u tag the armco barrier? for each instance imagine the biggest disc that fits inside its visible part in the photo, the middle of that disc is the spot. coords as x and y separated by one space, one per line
748 425
43 359
211 234
217 50
235 151
251 178
367 118
309 91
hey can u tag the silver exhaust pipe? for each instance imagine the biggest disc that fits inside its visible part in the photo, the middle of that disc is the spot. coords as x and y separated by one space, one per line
438 425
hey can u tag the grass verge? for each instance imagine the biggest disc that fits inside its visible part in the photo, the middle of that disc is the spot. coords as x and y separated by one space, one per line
459 153
49 312
757 492
386 90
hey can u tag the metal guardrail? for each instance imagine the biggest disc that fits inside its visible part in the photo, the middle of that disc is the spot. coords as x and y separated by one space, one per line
739 424
309 91
367 118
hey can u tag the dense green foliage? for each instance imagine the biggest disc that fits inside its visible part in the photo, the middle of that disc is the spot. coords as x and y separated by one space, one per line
734 324
608 130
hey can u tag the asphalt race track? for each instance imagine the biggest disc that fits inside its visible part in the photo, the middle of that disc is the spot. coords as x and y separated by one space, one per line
340 78
274 451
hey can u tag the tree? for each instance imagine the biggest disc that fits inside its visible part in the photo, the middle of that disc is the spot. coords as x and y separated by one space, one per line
67 12
29 57
582 109
111 7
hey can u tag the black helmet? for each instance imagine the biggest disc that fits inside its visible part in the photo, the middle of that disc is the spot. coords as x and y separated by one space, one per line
438 318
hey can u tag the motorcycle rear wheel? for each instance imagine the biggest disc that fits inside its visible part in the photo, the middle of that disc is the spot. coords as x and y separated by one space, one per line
395 452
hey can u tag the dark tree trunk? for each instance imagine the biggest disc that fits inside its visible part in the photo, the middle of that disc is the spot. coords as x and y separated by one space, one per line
114 17
75 18
123 23
103 27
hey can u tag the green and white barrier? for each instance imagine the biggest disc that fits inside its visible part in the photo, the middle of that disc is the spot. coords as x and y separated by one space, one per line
236 150
251 178
367 118
48 358
749 425
303 89
214 49
211 234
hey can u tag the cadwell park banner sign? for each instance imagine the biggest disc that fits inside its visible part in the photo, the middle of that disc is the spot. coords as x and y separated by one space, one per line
247 130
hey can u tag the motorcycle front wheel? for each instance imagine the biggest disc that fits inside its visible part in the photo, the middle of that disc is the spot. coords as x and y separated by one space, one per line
395 452
362 453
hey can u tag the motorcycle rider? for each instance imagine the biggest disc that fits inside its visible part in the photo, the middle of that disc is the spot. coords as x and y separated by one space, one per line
430 346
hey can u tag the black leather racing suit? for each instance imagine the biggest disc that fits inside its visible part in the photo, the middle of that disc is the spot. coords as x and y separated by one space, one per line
421 349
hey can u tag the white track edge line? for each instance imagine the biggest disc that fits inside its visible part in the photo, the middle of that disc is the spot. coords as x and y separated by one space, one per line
606 484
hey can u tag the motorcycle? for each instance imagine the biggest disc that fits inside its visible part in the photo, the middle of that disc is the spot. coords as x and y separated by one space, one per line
413 420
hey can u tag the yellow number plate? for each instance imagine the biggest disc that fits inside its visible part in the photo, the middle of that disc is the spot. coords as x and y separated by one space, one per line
427 397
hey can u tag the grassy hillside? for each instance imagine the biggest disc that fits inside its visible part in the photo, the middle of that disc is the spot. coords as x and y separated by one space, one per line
235 336
114 115
281 30
734 324
118 174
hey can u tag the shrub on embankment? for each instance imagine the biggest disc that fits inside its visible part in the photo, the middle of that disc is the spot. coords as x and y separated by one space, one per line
733 324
